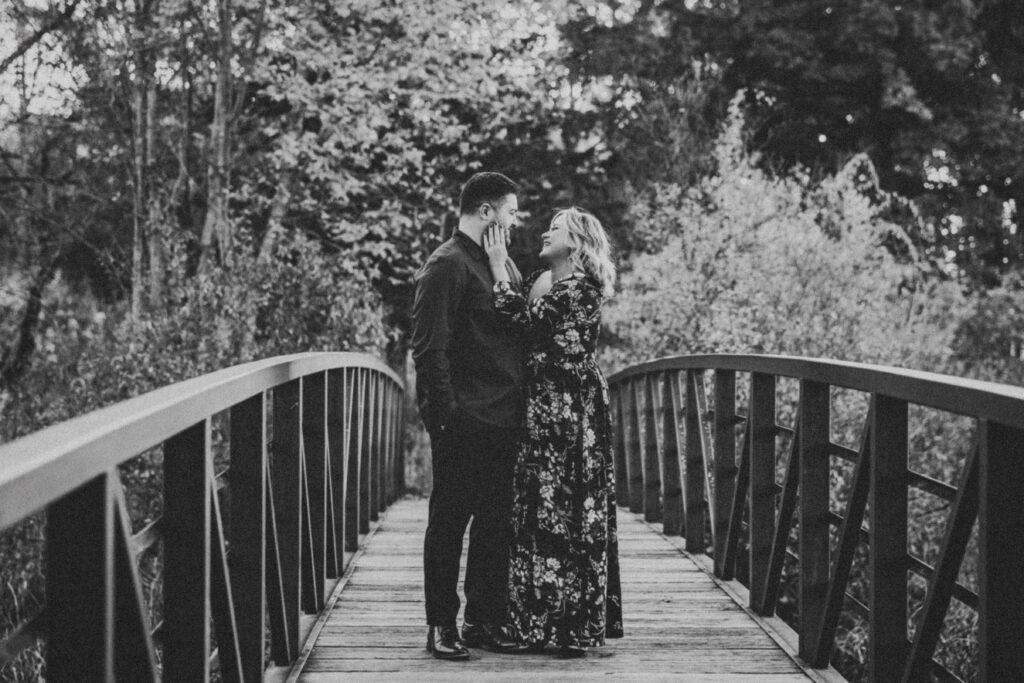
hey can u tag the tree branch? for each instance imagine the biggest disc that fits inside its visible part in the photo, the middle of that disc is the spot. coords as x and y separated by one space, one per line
54 23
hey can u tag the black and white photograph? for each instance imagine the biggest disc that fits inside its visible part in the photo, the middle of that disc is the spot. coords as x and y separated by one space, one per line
511 340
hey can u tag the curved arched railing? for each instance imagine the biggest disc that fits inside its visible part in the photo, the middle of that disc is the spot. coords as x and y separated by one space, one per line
309 450
677 462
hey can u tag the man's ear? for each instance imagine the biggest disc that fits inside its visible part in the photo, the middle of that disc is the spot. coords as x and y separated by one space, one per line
485 211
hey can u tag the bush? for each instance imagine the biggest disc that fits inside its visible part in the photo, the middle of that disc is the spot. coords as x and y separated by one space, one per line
759 264
749 262
297 299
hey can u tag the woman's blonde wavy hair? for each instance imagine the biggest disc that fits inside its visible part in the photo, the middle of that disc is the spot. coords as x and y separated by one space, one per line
590 249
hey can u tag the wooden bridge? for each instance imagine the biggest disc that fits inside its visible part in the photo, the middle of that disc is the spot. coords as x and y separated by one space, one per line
682 624
274 542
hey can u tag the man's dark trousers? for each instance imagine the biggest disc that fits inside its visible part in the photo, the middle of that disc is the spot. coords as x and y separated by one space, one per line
473 463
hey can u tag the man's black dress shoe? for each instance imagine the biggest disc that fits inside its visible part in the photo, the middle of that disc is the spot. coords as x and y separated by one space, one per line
443 642
491 638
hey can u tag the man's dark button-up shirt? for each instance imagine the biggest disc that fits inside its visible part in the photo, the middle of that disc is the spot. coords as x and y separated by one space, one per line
467 360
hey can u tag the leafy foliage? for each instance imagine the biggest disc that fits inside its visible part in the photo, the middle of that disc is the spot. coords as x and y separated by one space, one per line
751 262
931 91
295 300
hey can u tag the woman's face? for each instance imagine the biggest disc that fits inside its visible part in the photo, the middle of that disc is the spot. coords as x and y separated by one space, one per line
556 240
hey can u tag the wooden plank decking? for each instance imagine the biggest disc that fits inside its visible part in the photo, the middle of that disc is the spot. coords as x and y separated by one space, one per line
680 623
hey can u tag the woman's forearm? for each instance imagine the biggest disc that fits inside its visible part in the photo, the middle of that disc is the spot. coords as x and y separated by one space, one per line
500 273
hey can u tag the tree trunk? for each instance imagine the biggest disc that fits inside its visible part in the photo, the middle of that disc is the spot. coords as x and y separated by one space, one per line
216 228
278 209
14 359
181 193
138 191
154 230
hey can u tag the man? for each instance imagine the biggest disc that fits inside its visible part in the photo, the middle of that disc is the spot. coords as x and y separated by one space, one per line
469 373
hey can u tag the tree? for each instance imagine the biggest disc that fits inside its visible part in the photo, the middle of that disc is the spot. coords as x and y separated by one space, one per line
931 91
751 262
370 122
241 121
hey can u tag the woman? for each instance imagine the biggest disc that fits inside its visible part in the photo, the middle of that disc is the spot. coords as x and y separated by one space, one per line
563 569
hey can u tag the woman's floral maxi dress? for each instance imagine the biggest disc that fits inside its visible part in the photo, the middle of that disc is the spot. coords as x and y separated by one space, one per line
564 568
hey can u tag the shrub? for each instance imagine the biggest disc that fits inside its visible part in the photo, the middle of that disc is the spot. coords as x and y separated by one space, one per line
297 299
750 262
755 263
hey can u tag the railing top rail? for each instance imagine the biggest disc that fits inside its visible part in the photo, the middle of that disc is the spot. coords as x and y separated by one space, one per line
43 466
986 400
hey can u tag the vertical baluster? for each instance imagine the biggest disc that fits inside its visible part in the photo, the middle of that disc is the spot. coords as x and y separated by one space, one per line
366 446
385 440
373 445
783 526
186 523
222 599
725 461
282 650
761 427
849 539
634 462
398 469
813 511
385 472
1001 555
377 492
888 557
314 419
336 406
733 565
80 585
134 654
310 588
672 488
693 468
354 430
394 409
650 455
247 477
619 425
707 454
287 491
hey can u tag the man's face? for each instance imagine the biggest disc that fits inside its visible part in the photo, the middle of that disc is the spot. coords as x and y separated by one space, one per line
506 213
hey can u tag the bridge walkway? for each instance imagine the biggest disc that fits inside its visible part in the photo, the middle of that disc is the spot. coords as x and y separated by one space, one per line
681 624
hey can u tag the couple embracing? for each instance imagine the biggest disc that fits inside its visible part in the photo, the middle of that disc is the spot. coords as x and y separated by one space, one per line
520 432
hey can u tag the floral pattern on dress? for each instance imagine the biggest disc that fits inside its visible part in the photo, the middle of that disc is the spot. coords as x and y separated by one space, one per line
563 571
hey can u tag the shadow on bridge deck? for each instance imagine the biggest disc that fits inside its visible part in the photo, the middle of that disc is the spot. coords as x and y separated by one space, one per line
680 623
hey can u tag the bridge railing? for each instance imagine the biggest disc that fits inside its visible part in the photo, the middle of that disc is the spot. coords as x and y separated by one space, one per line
678 461
313 452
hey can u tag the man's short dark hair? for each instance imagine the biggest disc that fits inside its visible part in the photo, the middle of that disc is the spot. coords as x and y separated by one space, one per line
485 188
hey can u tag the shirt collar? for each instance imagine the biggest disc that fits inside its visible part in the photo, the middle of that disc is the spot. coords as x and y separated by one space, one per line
474 249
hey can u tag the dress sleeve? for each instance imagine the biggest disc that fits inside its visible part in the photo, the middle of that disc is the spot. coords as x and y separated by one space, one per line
510 305
570 304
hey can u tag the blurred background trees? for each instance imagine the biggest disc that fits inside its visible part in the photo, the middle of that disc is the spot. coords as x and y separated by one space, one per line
932 92
218 128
